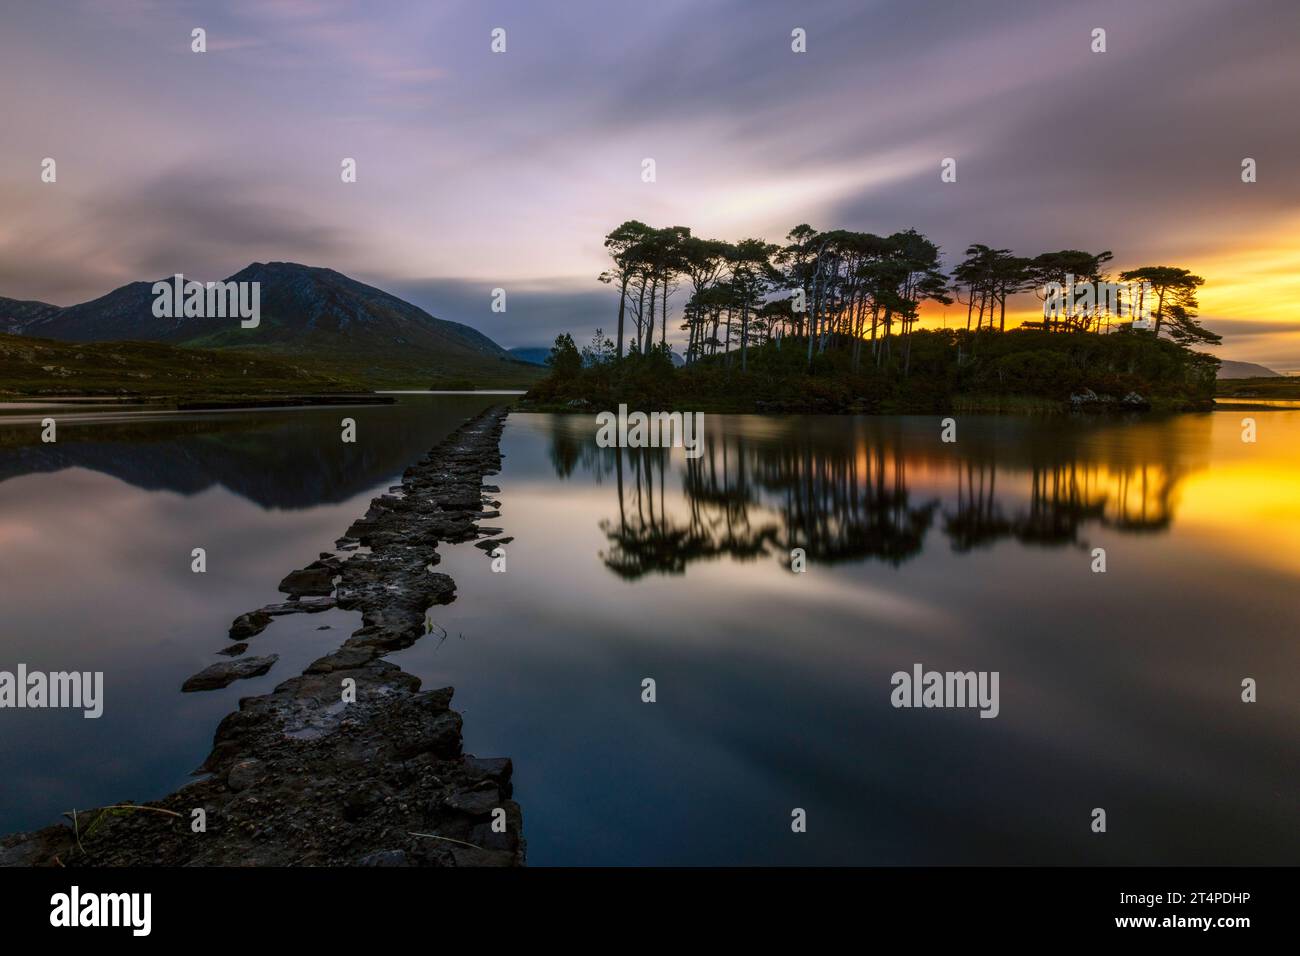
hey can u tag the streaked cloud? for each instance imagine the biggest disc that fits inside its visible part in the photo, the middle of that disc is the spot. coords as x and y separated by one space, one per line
478 170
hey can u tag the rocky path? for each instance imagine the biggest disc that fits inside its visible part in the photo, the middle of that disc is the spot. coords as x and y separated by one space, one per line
349 763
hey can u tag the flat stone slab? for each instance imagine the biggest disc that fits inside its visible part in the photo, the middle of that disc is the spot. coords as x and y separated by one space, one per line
224 673
249 625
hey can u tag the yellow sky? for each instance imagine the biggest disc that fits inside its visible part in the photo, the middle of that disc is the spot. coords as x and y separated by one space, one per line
1250 297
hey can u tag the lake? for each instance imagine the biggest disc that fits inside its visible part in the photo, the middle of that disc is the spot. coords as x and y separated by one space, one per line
1119 690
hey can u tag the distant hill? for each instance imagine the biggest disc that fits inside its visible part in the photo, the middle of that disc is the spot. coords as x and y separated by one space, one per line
1245 370
309 314
533 356
32 366
537 356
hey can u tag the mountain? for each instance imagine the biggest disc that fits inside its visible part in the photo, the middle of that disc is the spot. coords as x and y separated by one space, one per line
125 314
309 314
16 314
1245 370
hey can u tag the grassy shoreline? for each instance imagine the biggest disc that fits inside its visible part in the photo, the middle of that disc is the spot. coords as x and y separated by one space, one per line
961 405
155 372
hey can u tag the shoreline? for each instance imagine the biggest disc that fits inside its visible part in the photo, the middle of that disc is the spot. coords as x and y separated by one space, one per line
349 763
1010 405
170 404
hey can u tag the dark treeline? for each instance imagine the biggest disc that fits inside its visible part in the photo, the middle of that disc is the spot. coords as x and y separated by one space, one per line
845 307
841 288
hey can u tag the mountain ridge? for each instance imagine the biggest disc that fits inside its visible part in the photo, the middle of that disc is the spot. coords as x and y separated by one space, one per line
306 312
18 314
1231 369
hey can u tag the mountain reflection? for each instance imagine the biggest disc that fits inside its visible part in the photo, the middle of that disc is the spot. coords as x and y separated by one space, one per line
874 490
276 458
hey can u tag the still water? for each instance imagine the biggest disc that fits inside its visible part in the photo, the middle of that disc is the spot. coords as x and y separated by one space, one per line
1119 690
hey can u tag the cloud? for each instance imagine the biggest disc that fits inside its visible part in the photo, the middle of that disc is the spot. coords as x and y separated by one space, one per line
479 170
1242 328
199 222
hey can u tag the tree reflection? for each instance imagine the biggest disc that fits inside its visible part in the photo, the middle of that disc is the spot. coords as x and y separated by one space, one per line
845 496
649 537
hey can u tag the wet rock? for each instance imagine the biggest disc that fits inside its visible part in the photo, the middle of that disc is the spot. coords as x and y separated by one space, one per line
245 774
254 622
1135 402
475 803
225 673
314 605
345 658
315 579
461 499
493 768
38 848
234 650
303 605
249 625
484 837
489 545
440 736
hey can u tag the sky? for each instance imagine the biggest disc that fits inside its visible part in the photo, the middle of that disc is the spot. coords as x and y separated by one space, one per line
479 170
